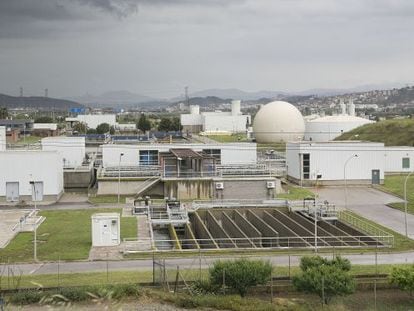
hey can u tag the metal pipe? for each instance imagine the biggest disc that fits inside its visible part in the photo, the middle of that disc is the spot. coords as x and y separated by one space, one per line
119 176
405 203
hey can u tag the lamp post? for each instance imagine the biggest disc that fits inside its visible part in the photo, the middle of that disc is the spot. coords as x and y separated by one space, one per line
119 176
405 203
34 198
315 214
346 190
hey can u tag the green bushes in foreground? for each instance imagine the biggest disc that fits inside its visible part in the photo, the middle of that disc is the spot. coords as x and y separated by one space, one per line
74 294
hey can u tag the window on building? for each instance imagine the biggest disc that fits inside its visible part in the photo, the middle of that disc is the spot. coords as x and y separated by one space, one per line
306 165
405 162
216 153
148 157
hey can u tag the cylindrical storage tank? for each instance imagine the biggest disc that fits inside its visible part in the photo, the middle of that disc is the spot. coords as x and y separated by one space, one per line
343 107
351 108
330 127
278 121
235 107
195 109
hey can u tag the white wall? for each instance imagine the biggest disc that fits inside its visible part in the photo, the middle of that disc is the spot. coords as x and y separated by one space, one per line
394 156
231 153
225 123
327 131
45 126
70 149
93 120
328 159
2 138
24 166
191 119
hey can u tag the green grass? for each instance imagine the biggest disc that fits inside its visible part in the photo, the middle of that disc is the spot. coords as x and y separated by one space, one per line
401 243
130 276
275 146
99 199
396 132
296 193
28 140
65 234
395 185
229 138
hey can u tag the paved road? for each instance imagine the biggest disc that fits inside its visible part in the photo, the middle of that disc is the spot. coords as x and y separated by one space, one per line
370 203
194 263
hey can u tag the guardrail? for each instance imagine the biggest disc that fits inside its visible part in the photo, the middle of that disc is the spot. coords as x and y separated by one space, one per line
238 203
268 243
362 225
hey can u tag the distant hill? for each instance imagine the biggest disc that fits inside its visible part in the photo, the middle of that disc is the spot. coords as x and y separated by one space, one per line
115 99
395 132
37 102
237 94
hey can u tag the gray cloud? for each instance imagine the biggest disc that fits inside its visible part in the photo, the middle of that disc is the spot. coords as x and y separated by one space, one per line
157 46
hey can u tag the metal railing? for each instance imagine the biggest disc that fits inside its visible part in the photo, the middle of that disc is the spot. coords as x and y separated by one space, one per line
130 171
252 243
238 203
362 225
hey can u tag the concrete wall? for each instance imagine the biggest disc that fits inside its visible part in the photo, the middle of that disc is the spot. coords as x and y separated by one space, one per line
235 232
93 120
25 166
247 228
188 189
78 179
253 188
128 187
70 149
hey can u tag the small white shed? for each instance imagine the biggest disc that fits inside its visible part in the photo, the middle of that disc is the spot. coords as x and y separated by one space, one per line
106 229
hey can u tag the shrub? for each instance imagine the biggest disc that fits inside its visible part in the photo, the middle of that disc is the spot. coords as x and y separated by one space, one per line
403 278
324 277
26 297
203 287
74 293
240 274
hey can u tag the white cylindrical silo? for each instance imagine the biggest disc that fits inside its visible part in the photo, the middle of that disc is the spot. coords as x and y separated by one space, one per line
351 108
235 107
195 109
343 108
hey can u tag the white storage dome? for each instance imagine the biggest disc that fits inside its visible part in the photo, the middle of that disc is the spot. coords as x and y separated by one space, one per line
278 121
329 127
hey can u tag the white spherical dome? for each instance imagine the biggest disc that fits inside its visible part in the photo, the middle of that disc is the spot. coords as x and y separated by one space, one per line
278 121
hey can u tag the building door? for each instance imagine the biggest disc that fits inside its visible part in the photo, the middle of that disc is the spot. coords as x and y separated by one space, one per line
12 191
375 179
37 195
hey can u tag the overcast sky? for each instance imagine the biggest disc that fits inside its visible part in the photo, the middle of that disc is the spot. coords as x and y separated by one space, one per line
156 47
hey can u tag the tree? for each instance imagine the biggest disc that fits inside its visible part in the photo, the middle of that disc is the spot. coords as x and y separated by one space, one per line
176 124
80 127
403 278
324 277
3 113
43 119
165 125
240 274
143 123
103 128
112 130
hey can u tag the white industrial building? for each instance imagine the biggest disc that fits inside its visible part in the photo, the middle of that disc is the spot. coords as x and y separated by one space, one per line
215 122
19 168
70 149
328 128
3 138
148 154
278 121
357 162
92 120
